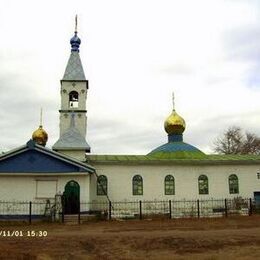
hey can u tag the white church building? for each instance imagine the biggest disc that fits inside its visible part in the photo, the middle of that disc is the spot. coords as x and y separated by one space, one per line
173 171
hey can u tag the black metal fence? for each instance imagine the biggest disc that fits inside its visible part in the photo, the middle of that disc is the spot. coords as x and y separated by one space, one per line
26 210
169 209
51 211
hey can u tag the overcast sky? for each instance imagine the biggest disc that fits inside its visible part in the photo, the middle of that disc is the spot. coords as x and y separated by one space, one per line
134 53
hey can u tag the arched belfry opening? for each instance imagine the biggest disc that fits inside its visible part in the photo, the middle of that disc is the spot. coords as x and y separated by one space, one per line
73 99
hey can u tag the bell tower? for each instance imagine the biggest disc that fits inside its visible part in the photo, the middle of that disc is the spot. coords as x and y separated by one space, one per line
73 120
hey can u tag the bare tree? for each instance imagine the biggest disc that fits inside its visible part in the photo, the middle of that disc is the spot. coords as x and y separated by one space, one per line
235 141
251 144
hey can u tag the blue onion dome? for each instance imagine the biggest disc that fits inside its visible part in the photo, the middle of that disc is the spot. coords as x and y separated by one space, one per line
75 42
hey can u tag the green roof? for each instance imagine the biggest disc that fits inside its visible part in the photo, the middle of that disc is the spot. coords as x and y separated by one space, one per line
177 150
148 159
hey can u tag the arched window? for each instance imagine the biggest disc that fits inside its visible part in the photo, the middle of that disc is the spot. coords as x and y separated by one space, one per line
137 185
169 185
102 185
73 99
203 184
233 184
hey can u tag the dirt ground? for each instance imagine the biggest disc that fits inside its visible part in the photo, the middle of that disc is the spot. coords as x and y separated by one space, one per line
231 238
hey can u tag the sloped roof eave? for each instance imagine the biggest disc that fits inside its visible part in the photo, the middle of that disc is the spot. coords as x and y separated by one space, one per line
31 145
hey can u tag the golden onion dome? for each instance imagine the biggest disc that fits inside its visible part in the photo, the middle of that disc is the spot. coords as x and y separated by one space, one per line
174 124
40 136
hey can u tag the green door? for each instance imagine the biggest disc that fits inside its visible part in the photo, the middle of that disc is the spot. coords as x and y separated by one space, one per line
71 198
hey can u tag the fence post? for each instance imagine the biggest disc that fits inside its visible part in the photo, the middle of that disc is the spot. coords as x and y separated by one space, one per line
250 212
198 206
170 209
79 215
226 209
140 210
109 210
63 208
30 212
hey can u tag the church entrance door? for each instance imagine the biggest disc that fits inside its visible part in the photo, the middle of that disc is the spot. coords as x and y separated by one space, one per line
71 198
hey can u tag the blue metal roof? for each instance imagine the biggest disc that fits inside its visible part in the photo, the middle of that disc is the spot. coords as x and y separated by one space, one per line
34 158
176 148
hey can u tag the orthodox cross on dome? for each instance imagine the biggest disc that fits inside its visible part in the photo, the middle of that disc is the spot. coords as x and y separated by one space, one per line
41 117
76 23
173 102
40 136
75 40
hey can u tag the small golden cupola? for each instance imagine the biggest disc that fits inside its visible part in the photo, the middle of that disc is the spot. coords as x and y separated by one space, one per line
40 136
174 124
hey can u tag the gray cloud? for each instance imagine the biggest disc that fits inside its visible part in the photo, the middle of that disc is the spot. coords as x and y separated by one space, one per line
204 136
177 69
116 136
20 108
242 44
20 87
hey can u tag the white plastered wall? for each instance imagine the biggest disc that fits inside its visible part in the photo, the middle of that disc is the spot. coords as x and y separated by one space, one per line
186 181
80 117
24 188
75 154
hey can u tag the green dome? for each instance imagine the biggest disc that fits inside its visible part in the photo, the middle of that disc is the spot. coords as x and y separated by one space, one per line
176 149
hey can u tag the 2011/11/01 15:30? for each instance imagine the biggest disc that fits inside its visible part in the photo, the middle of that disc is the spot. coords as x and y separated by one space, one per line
21 233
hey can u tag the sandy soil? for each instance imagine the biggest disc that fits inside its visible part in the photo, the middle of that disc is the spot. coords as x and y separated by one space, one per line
231 238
